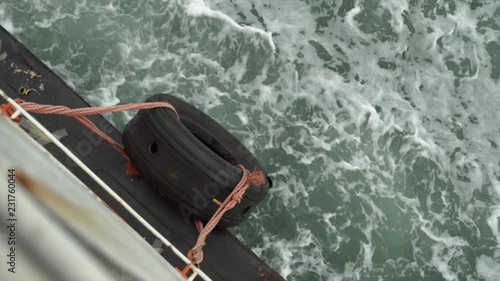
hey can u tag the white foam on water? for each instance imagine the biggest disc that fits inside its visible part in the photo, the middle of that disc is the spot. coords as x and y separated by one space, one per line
73 78
493 222
488 268
292 260
56 16
441 257
7 23
198 8
442 238
107 96
397 8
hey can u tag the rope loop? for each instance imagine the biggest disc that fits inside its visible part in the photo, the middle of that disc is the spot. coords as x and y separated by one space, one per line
255 178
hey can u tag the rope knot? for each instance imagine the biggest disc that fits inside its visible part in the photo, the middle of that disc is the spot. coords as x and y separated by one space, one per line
237 197
256 178
195 255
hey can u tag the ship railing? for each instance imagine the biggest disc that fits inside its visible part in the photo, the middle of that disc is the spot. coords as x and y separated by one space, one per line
19 111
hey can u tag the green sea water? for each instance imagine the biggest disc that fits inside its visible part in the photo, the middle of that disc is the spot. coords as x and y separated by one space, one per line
378 120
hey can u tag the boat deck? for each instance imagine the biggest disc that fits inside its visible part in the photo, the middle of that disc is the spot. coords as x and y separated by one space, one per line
226 258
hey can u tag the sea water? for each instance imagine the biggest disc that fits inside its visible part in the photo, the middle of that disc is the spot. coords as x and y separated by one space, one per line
378 120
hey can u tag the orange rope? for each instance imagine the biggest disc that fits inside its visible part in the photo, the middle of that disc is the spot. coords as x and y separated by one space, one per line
80 113
248 179
63 110
255 178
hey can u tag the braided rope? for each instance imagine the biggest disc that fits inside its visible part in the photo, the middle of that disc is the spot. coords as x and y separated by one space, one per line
255 178
64 110
81 113
248 179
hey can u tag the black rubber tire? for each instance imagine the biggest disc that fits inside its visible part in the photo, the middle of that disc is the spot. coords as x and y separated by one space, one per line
191 160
